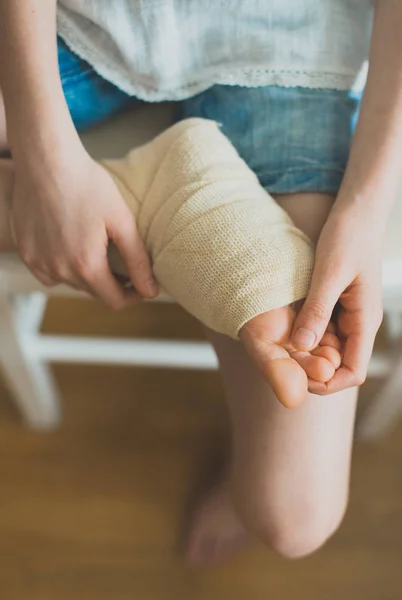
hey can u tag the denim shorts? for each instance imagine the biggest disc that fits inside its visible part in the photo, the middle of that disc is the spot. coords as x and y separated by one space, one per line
295 139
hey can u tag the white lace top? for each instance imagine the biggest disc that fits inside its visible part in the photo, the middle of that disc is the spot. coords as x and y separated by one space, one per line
173 49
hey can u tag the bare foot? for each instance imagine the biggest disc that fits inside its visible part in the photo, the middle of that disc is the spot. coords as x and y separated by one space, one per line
267 340
216 532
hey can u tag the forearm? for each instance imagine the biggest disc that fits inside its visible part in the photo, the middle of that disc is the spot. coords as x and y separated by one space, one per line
38 120
375 163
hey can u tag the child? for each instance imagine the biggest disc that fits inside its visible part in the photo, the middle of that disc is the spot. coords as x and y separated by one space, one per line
282 76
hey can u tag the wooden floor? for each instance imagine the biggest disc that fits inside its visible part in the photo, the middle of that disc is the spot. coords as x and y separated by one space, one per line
98 509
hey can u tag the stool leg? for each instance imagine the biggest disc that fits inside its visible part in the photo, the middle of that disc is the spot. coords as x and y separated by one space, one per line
385 409
393 321
29 379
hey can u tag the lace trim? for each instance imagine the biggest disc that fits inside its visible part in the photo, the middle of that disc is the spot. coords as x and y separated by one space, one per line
142 87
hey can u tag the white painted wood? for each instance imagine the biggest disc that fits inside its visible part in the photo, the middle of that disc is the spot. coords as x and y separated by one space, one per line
15 278
380 365
29 378
146 353
30 310
393 322
384 410
141 352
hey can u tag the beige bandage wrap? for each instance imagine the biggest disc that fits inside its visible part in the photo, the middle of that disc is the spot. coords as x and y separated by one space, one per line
220 245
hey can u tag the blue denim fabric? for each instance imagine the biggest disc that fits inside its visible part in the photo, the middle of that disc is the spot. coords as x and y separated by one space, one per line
90 98
295 139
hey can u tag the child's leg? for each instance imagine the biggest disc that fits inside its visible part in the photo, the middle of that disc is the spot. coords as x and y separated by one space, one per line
211 265
223 249
290 469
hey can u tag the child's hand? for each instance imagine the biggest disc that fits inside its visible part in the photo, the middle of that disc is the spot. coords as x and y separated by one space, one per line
64 215
290 373
347 273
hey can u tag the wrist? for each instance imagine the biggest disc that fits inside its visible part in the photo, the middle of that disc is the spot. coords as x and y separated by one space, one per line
370 197
53 164
52 142
355 217
37 115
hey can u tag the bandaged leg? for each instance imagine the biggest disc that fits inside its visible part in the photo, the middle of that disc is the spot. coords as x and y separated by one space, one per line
222 247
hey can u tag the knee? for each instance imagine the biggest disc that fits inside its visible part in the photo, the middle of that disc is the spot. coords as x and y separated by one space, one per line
302 533
296 528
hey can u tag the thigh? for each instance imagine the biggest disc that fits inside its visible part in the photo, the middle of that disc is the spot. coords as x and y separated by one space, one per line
287 459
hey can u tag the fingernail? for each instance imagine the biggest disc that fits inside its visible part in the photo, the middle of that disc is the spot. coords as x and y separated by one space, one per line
304 338
152 287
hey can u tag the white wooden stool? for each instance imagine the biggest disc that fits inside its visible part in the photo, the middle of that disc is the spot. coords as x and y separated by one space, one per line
386 407
25 353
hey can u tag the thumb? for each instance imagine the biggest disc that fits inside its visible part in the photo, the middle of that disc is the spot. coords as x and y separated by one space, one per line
312 321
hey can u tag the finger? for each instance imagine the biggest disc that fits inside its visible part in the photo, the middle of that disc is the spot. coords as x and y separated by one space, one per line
332 340
65 277
104 286
355 361
331 327
314 317
354 366
44 278
81 286
37 268
319 388
127 240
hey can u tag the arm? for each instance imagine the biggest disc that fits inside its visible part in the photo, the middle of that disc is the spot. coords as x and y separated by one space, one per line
38 120
349 252
65 207
375 163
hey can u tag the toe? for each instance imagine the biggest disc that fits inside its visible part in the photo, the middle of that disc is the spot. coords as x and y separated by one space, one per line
329 353
287 379
264 338
317 368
